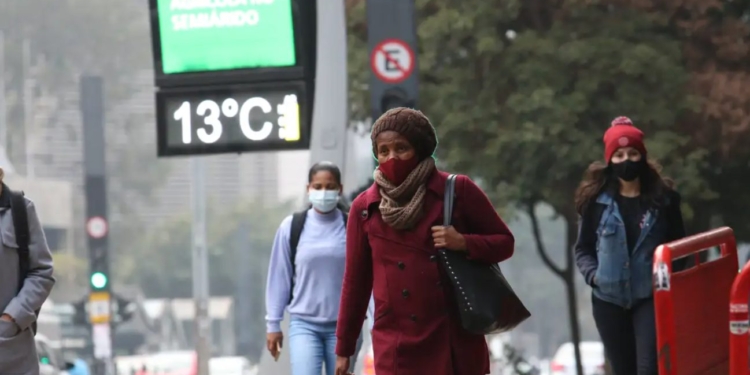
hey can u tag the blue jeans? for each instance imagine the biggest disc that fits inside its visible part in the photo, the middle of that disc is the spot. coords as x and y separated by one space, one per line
313 344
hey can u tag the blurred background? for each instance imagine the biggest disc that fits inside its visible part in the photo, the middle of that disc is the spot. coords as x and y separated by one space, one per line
520 93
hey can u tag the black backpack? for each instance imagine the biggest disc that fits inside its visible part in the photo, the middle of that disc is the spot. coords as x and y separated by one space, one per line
298 223
21 225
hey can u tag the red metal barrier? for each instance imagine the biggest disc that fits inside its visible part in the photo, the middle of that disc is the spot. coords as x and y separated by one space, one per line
738 323
691 315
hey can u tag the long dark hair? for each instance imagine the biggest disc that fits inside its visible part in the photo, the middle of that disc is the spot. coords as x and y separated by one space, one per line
599 177
327 166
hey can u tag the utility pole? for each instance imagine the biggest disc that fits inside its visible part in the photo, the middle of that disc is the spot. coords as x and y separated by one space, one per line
247 337
97 226
3 108
28 103
392 39
330 119
200 265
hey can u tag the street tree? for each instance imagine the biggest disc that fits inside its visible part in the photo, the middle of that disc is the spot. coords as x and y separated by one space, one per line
522 92
539 96
715 40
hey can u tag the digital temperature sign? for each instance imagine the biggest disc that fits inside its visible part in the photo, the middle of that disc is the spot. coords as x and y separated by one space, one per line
241 118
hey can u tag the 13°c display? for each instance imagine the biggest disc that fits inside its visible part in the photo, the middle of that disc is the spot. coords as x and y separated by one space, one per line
236 119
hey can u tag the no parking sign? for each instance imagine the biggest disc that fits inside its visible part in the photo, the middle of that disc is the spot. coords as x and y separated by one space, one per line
97 227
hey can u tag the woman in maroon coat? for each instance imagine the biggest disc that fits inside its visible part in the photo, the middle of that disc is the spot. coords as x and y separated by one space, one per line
394 231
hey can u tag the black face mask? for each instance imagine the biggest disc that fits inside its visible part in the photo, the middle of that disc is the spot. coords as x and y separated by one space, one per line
628 170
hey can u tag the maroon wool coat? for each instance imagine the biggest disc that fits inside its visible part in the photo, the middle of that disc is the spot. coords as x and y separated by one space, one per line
417 329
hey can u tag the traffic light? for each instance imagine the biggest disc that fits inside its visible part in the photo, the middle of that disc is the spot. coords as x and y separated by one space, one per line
99 267
80 313
124 309
395 97
99 281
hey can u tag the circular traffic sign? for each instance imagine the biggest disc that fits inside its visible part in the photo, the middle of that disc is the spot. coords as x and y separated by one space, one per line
392 61
97 227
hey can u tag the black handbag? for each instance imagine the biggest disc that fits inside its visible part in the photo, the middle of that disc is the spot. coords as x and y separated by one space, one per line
486 302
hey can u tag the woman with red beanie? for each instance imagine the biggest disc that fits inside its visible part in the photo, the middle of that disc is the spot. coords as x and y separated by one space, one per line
392 240
627 209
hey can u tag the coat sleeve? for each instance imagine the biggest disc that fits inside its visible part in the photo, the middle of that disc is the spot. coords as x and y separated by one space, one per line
39 281
675 223
585 247
676 229
279 279
489 239
357 286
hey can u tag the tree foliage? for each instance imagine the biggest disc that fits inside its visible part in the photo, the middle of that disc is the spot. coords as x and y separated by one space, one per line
521 93
715 37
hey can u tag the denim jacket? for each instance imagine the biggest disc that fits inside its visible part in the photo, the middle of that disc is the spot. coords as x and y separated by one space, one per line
622 277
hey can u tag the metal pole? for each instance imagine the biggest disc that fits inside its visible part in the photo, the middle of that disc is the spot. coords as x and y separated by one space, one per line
28 122
3 113
95 170
200 266
331 107
247 337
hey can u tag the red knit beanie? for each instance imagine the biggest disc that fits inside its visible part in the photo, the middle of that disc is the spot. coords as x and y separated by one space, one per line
621 134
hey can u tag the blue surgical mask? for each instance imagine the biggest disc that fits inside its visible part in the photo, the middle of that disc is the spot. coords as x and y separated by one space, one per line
324 200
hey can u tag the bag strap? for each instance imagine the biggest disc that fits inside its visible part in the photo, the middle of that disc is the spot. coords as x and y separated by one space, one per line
21 225
298 223
450 193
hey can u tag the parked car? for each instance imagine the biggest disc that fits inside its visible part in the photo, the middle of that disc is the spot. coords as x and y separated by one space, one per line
592 358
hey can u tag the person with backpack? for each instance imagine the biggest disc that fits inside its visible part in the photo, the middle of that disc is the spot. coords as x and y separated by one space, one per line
305 273
25 281
627 209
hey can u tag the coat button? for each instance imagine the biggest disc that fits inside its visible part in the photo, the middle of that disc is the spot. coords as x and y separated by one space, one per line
401 265
363 214
433 258
413 318
405 293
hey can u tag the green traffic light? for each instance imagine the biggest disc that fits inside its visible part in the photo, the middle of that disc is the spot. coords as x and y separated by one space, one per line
98 280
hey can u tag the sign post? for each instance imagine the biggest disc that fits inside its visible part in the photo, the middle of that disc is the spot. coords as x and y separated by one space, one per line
92 109
392 40
244 76
392 61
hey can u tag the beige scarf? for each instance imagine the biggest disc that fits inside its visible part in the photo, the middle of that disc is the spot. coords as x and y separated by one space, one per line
401 206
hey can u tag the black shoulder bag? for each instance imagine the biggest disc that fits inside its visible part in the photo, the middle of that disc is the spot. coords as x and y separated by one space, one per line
486 302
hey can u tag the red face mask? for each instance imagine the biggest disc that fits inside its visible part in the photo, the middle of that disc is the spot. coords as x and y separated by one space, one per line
397 170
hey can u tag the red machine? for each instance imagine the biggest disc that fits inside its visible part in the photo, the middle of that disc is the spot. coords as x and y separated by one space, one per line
691 306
